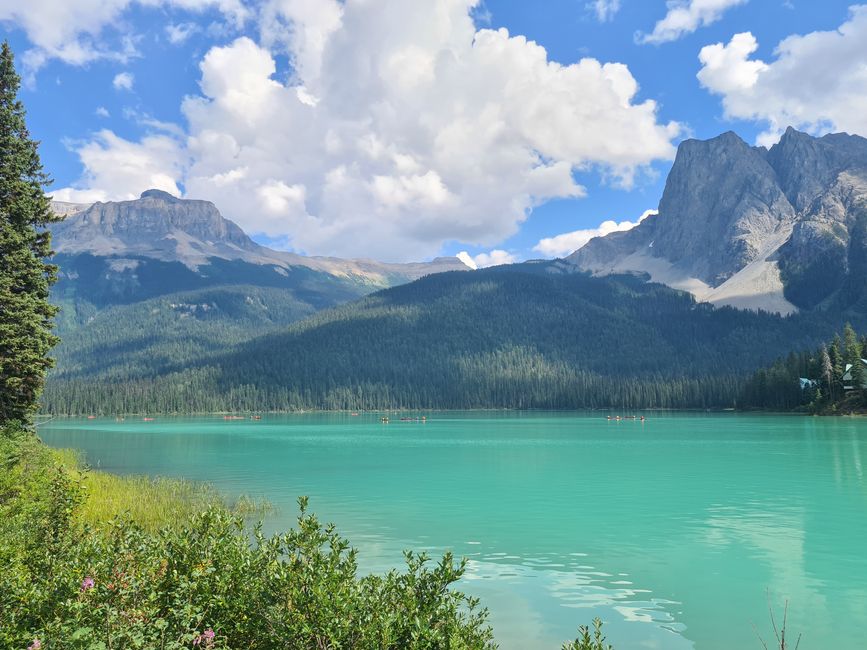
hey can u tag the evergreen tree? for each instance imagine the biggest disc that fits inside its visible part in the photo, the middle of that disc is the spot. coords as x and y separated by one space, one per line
25 277
838 366
827 369
852 353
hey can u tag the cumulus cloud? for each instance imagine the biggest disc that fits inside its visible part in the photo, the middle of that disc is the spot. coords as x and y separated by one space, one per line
484 260
123 81
73 30
817 82
604 9
300 28
102 111
569 242
402 128
118 169
686 16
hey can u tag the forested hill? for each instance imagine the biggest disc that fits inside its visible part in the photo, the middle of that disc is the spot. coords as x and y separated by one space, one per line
535 335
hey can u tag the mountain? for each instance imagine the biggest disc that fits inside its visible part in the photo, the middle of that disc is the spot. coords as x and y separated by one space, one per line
157 276
193 316
781 230
533 335
121 253
162 227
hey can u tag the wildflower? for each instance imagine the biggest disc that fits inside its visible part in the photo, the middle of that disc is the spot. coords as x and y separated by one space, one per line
207 637
35 645
87 583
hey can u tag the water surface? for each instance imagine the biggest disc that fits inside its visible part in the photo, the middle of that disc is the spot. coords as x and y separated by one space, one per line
672 530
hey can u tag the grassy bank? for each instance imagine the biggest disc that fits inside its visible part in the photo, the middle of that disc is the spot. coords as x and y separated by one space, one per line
152 503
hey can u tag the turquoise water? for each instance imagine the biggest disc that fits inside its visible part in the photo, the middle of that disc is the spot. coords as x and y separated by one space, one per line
673 531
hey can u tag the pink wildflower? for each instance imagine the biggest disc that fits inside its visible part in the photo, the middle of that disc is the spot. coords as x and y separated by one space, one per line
35 645
87 583
207 636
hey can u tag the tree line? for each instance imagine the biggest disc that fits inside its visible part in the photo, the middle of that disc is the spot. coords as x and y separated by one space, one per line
827 379
527 336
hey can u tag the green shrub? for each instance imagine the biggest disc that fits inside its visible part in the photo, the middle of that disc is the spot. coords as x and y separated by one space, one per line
211 583
584 641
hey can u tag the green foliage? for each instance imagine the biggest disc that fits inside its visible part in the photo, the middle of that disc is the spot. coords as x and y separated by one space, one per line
585 642
526 336
778 387
152 503
25 313
852 356
208 583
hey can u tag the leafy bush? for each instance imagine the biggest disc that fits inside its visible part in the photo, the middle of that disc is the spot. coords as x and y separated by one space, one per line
208 584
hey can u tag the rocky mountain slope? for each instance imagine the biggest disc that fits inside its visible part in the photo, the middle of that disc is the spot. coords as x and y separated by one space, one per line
782 230
162 227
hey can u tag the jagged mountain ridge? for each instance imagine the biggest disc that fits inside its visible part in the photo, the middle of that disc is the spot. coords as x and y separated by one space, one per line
162 227
780 229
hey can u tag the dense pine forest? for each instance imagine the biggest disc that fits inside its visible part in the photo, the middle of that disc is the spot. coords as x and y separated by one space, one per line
535 335
829 379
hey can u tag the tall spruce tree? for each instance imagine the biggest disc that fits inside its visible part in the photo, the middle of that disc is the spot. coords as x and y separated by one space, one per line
852 353
827 370
25 244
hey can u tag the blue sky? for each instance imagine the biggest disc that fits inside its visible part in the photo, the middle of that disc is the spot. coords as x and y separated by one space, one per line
407 130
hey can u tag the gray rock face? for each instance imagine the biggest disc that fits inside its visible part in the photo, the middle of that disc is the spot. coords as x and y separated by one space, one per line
64 208
164 227
720 191
750 221
156 225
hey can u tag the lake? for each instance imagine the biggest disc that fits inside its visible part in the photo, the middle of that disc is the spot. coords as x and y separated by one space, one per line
675 531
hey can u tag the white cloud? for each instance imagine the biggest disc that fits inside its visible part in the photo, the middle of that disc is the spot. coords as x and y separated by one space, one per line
816 82
727 69
302 28
467 259
123 81
484 260
118 169
686 16
403 128
604 9
102 111
567 243
179 33
73 30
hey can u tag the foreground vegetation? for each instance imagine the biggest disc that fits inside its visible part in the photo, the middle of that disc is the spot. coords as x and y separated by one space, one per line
82 572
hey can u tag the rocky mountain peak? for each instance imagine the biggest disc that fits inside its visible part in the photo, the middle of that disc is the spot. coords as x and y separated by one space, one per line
748 226
806 165
156 225
171 229
721 200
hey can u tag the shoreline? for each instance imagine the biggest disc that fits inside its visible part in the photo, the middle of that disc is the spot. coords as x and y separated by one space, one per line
246 415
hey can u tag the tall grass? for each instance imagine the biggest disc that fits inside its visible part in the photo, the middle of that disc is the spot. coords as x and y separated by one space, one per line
153 503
